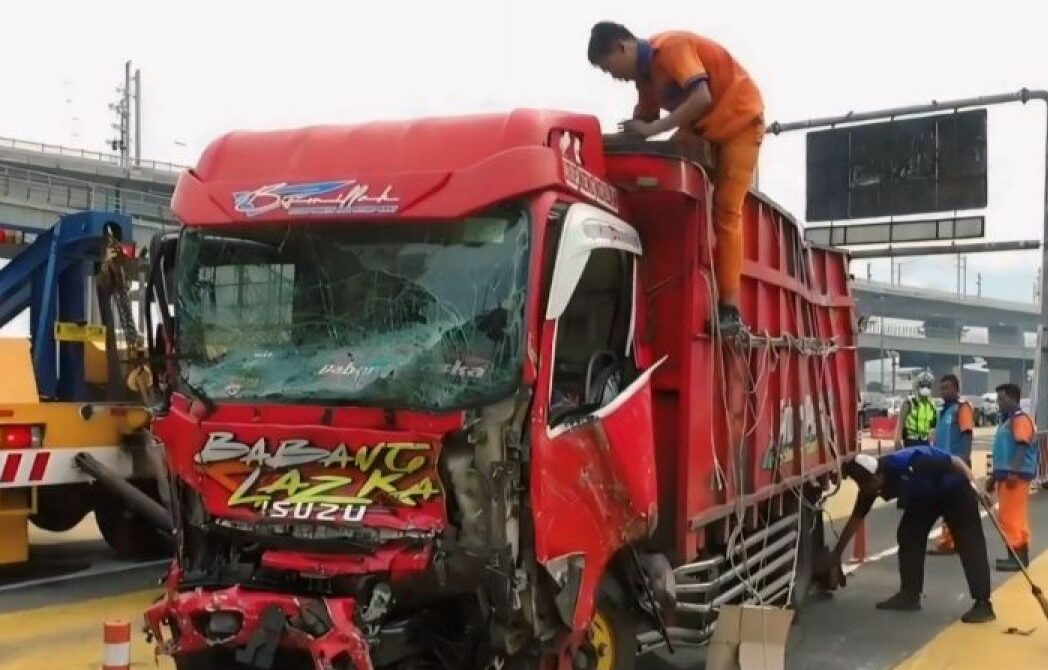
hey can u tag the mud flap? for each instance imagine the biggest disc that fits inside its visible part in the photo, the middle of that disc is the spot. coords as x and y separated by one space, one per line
260 651
749 638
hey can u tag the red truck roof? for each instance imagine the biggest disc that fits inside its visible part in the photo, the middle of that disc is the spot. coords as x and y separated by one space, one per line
429 168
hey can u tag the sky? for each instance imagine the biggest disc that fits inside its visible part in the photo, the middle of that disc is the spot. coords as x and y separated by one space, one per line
211 67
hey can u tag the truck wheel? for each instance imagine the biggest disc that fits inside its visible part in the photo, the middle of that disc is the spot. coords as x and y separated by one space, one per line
808 551
611 640
131 537
60 508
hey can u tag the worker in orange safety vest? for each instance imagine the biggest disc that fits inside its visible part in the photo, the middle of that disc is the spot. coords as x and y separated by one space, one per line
1014 467
953 434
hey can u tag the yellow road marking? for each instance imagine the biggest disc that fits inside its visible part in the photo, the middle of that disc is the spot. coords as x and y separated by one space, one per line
985 646
69 637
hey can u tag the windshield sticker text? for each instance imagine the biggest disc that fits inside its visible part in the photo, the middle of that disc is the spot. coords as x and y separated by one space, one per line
317 198
465 370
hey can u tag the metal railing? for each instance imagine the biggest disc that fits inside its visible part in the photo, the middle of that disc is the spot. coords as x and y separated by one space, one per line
68 193
873 327
110 159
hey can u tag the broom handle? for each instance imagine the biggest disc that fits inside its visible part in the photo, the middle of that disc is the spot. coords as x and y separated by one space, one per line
1004 538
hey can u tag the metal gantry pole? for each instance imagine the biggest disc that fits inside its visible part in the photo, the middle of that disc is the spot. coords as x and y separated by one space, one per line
125 125
1040 391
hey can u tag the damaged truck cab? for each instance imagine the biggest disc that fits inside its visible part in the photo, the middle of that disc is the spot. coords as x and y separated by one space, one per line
442 393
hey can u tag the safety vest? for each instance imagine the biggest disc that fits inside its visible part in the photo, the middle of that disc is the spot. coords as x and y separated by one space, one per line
1004 448
919 419
948 431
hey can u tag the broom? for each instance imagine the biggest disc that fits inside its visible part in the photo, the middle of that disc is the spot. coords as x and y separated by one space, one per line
1036 590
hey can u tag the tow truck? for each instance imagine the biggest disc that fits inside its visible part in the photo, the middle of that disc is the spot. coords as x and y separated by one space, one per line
72 435
446 393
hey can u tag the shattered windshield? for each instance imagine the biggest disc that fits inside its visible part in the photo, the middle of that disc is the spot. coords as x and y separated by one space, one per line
417 315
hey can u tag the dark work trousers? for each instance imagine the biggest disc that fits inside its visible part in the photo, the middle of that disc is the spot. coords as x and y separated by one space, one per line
959 508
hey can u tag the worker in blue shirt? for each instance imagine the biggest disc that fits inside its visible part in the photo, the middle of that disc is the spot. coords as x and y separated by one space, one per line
928 484
953 434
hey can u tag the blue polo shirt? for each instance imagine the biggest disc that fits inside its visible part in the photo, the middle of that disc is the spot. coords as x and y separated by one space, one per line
920 473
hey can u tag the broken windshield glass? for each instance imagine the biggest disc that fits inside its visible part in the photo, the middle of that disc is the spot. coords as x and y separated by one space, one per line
418 315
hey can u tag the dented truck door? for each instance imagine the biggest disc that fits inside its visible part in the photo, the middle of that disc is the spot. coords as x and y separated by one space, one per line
593 479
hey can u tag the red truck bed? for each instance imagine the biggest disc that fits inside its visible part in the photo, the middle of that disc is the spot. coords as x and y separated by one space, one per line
738 425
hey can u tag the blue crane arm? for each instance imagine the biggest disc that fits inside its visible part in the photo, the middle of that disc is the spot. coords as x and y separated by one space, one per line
50 278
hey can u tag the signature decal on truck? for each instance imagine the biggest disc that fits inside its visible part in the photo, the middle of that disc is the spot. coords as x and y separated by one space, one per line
295 479
317 198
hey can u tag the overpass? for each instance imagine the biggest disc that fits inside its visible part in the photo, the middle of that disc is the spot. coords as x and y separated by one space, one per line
944 340
40 181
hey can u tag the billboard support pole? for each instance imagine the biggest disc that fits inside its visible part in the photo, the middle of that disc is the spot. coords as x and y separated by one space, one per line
1040 387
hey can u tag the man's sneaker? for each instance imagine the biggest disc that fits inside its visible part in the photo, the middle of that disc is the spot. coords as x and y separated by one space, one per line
1009 564
729 321
901 602
981 612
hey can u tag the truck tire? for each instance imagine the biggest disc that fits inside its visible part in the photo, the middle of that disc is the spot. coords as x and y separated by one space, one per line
128 534
611 640
808 550
60 508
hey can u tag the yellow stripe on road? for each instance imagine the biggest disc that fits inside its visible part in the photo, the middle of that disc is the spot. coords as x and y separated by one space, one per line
69 637
987 646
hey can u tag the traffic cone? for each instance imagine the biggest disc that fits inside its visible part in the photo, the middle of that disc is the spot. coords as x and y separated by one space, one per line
116 649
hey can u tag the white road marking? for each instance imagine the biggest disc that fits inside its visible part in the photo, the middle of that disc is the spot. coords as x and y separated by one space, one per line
853 566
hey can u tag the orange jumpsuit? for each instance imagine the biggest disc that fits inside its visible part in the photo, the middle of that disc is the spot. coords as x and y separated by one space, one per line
671 65
1013 485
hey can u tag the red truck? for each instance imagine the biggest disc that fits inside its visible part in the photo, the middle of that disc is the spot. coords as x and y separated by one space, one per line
444 394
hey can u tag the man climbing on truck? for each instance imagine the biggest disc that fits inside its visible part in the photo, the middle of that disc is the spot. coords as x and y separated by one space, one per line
928 484
709 96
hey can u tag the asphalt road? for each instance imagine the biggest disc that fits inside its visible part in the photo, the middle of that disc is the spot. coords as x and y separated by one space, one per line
844 632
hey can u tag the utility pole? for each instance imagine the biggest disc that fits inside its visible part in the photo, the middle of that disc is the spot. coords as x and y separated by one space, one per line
894 373
130 91
880 326
138 115
869 271
962 276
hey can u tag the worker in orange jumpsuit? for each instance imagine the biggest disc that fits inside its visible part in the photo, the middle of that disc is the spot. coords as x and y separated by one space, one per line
1014 467
707 94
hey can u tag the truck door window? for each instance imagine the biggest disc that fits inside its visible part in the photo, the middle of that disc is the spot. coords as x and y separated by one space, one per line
591 356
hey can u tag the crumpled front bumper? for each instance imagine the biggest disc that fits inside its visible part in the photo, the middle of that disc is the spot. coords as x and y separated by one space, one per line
257 626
